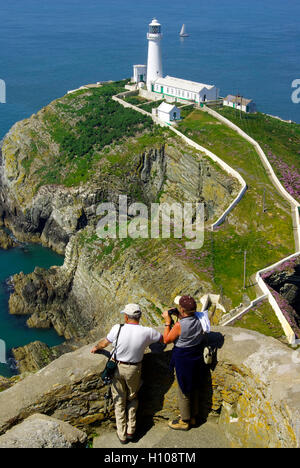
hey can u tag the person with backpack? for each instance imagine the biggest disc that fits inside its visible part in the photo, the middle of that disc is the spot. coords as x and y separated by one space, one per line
131 340
188 336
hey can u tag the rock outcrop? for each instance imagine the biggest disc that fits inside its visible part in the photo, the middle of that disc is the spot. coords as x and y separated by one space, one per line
287 284
40 431
6 241
252 388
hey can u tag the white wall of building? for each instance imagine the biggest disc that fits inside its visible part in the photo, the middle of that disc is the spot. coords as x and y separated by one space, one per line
139 73
168 116
251 107
186 93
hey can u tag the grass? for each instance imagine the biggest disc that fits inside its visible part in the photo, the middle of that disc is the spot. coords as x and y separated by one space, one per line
151 105
83 124
263 320
135 100
267 237
279 140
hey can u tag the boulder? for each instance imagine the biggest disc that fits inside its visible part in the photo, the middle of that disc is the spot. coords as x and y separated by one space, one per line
40 431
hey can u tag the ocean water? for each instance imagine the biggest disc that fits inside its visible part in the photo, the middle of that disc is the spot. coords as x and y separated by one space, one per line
246 46
13 329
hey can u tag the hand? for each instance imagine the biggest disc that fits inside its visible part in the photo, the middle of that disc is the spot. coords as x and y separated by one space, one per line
94 350
166 317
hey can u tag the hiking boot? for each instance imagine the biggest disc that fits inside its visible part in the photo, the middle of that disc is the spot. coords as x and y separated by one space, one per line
130 436
179 425
123 442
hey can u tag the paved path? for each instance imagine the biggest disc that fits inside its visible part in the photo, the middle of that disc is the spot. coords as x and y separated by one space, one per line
208 435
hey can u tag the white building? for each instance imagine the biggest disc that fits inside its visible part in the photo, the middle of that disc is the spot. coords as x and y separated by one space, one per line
176 88
139 73
240 103
184 89
167 112
154 65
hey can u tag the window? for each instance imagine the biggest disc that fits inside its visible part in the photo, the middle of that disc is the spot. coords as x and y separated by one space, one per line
154 29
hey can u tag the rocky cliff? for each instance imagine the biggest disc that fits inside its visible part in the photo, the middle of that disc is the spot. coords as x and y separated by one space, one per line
55 170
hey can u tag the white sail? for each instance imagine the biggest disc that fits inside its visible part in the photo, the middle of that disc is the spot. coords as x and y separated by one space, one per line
183 31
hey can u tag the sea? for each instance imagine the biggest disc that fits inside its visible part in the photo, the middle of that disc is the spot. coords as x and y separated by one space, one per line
13 329
250 47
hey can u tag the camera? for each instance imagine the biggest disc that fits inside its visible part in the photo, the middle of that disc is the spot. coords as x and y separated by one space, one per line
173 312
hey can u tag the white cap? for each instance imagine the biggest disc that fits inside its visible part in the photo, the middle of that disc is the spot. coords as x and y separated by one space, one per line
133 310
177 299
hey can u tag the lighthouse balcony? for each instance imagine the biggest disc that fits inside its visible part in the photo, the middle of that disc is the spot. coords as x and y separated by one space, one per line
156 36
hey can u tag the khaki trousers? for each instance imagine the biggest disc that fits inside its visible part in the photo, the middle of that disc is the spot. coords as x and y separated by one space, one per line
126 383
188 404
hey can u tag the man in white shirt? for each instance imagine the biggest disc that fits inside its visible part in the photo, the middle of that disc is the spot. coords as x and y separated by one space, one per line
132 342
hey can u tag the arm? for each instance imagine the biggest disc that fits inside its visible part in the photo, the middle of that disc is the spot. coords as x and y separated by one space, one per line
101 345
170 335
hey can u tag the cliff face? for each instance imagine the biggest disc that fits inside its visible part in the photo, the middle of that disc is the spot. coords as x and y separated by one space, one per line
59 164
147 165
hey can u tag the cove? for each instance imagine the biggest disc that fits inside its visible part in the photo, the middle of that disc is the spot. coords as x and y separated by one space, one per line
13 329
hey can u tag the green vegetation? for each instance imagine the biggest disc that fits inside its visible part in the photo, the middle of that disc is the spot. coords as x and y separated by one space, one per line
83 124
267 237
279 140
282 138
263 320
135 100
186 110
151 105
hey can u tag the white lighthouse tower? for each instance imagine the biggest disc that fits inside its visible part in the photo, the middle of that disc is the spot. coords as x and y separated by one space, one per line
154 66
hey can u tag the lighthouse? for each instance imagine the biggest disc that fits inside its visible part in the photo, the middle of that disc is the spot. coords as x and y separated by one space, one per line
154 66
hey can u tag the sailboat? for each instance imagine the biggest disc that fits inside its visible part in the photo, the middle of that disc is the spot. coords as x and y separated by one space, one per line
183 32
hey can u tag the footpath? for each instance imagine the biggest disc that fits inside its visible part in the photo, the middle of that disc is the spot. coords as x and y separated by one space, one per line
208 435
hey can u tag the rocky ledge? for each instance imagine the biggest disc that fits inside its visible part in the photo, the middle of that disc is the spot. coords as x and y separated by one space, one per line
40 431
252 388
6 241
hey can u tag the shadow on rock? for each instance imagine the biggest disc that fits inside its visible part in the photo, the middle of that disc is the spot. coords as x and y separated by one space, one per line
157 380
215 340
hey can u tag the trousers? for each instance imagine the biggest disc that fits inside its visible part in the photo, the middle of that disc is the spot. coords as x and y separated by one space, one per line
188 403
125 386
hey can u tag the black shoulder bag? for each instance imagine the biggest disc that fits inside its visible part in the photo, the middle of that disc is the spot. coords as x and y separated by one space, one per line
111 366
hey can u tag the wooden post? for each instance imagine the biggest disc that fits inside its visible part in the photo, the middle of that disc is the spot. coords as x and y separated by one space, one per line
264 201
245 267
